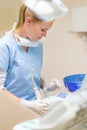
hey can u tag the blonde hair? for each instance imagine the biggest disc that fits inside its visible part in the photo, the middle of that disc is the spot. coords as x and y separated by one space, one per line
23 13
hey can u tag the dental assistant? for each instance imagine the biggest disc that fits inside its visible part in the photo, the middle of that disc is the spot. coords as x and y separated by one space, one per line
21 50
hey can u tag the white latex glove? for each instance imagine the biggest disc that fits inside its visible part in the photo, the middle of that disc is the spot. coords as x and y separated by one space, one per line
53 85
38 106
52 101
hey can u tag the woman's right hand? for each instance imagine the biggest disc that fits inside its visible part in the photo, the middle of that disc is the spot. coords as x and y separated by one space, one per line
38 106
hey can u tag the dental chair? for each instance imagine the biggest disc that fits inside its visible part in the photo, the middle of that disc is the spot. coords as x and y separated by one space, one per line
70 114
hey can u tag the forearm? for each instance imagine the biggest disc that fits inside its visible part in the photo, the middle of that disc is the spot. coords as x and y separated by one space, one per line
11 95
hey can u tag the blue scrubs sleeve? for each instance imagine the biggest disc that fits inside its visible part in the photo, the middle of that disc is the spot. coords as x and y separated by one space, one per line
4 56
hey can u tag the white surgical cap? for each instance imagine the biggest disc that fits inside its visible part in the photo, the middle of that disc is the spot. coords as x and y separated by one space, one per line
47 10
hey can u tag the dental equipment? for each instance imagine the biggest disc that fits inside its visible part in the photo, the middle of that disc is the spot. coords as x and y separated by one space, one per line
38 95
79 95
51 100
69 114
45 88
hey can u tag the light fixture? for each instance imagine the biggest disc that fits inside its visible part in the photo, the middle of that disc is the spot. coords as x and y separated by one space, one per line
79 21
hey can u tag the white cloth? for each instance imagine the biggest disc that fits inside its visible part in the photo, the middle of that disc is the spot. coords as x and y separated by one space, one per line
38 106
47 10
25 42
2 78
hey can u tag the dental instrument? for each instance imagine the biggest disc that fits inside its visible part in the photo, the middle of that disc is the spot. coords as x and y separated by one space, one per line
38 95
45 88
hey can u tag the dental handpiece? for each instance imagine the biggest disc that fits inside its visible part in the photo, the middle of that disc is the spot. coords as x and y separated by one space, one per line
38 95
45 88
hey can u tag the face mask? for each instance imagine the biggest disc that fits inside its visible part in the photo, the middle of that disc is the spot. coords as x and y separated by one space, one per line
25 42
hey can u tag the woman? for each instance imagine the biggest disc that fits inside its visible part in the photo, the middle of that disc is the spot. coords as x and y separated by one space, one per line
21 51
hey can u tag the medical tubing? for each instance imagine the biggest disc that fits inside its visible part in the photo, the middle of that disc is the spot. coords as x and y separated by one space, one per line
35 87
37 93
45 88
45 92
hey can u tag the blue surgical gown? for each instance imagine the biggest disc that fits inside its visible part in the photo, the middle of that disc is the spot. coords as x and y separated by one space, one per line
18 65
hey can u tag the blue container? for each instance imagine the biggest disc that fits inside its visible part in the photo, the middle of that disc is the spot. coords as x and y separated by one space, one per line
73 82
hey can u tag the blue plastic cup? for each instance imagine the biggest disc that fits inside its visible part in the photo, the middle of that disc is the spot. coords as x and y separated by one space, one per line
73 82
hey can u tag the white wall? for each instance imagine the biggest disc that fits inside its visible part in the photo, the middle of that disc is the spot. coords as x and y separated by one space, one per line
64 52
8 13
9 3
